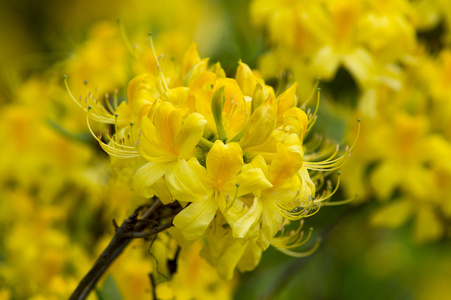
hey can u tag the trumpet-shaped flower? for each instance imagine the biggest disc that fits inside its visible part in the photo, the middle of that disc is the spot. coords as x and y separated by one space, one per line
167 139
224 184
288 198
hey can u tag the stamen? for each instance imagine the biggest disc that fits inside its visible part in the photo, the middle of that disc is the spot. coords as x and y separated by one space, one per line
108 104
109 149
124 36
159 70
346 201
234 198
235 105
312 93
115 122
116 91
70 93
327 195
132 134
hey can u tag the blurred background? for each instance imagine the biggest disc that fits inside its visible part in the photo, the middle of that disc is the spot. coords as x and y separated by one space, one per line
385 62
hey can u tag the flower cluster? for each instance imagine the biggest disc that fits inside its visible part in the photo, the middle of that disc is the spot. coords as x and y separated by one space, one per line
397 55
370 39
227 149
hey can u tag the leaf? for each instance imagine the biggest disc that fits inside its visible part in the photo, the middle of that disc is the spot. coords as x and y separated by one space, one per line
109 290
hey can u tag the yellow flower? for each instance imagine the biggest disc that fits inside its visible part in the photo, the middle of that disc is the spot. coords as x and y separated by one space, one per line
227 253
166 140
223 182
228 150
273 205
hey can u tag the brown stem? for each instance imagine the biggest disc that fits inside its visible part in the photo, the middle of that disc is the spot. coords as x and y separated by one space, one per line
131 228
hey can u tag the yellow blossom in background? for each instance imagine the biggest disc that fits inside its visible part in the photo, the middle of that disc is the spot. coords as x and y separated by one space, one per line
229 144
410 173
402 91
367 38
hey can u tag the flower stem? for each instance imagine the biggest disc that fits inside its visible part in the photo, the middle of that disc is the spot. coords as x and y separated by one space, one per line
131 228
205 144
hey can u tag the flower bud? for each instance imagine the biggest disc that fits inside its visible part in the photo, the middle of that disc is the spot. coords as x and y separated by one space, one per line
260 125
217 105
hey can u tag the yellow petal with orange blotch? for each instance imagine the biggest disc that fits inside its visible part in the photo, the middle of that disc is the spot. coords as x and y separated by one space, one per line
151 147
167 122
189 134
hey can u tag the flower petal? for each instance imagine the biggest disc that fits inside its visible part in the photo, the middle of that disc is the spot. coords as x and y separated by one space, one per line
393 214
189 134
251 181
194 219
250 218
185 185
229 259
160 189
386 177
245 79
270 220
167 122
287 162
150 146
260 125
147 175
250 258
224 162
285 101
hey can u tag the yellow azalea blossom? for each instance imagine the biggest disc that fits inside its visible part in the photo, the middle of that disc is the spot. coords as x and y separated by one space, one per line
166 140
227 253
366 38
223 183
227 149
273 205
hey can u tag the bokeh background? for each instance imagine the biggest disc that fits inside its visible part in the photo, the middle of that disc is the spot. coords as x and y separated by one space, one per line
385 62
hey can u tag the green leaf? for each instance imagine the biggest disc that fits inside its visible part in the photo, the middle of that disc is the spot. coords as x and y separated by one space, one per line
109 290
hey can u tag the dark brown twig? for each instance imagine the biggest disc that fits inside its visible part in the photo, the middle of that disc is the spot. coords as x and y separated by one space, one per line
131 228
